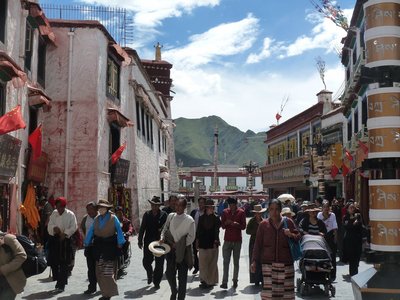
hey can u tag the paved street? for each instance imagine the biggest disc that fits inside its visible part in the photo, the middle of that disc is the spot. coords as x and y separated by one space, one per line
134 285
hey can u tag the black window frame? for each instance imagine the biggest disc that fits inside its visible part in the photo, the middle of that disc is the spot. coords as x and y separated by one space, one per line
41 68
138 124
142 115
29 35
111 92
3 20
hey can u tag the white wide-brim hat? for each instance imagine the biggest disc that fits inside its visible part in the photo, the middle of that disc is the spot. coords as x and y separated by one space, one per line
159 249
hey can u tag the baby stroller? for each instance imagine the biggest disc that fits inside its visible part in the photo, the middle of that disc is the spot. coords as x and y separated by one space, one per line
315 265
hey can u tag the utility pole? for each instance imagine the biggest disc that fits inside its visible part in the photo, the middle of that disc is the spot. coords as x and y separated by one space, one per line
215 179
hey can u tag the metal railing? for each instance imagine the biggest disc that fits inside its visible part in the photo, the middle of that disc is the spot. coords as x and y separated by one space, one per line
118 21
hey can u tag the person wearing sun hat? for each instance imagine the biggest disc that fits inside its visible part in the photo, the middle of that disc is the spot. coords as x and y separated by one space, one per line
153 221
107 238
62 225
251 229
287 212
311 224
207 240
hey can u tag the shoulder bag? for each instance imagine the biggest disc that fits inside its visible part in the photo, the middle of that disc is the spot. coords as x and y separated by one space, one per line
295 248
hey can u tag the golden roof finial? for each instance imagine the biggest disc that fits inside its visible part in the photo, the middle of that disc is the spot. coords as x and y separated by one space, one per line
158 51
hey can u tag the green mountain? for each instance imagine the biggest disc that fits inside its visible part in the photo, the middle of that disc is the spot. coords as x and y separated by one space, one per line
194 143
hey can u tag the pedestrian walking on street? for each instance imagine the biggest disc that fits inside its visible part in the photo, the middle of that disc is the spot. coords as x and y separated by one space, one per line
179 232
337 206
233 220
271 249
251 229
62 225
12 256
329 220
311 224
352 241
150 230
170 208
107 238
195 214
87 221
207 240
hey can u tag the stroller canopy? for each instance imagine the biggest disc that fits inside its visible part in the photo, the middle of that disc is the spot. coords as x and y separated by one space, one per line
314 242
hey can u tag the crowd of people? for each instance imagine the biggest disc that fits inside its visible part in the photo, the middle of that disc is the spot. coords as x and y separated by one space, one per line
193 241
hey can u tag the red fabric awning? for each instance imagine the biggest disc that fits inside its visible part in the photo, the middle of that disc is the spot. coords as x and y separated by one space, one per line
37 96
11 71
36 12
121 53
114 115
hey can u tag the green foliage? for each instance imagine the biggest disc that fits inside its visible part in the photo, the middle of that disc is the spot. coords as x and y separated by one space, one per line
194 143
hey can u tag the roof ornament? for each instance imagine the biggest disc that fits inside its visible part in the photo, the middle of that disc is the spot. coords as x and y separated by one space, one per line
158 51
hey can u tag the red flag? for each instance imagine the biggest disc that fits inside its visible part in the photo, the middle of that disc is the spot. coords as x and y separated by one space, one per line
334 171
12 121
345 169
348 155
117 154
278 116
35 139
363 147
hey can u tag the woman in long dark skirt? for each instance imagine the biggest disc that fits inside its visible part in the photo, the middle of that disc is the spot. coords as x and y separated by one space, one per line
352 241
251 229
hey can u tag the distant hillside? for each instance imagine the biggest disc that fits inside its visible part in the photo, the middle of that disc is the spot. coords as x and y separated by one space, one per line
194 143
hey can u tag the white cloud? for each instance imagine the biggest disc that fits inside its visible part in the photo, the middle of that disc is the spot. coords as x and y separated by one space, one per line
324 35
265 52
248 101
223 40
148 15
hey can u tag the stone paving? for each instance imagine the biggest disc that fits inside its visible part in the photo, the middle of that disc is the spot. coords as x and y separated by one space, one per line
134 285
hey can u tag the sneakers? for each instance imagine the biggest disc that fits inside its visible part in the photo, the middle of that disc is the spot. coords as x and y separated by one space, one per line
58 290
224 286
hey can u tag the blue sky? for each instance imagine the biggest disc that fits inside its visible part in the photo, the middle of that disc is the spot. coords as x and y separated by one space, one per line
238 58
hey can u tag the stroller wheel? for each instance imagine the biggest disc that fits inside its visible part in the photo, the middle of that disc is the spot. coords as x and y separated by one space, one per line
298 284
326 289
303 289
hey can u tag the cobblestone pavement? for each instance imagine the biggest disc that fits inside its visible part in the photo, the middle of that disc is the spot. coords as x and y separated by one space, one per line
134 285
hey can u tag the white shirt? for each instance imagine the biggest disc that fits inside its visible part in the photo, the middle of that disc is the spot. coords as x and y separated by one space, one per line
66 222
197 216
88 222
330 222
179 226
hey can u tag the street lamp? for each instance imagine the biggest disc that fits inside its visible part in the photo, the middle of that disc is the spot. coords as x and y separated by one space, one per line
250 169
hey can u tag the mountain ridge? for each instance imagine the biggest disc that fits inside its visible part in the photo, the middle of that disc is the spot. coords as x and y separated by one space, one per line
194 143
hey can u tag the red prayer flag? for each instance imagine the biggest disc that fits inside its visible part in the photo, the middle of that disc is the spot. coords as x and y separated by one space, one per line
334 171
348 154
12 121
363 147
278 116
345 169
117 154
35 139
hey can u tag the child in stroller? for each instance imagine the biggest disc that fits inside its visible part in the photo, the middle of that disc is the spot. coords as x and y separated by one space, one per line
315 265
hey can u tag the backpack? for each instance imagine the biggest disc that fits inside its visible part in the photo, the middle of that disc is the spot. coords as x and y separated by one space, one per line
35 263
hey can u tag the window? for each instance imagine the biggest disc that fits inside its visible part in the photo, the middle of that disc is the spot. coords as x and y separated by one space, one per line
2 99
112 79
33 116
41 72
142 114
349 132
138 125
28 44
114 138
364 111
356 121
151 133
148 128
292 151
3 16
231 181
159 141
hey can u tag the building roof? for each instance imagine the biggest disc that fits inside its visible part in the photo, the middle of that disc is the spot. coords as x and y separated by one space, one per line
295 122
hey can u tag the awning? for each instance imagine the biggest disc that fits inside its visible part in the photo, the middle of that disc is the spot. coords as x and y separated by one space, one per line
9 70
35 11
37 97
120 53
114 115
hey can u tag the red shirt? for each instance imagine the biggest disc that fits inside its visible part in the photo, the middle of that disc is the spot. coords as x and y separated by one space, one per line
233 232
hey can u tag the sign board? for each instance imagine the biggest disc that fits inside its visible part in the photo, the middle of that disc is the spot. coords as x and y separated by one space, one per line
37 168
9 154
120 171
